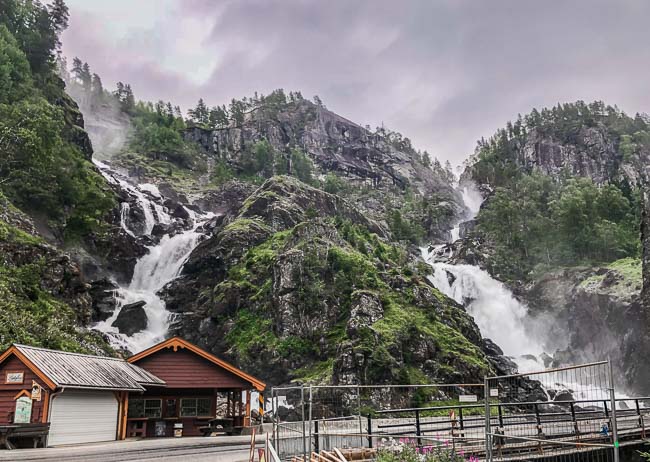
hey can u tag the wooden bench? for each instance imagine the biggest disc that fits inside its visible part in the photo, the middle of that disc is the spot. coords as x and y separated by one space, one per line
36 431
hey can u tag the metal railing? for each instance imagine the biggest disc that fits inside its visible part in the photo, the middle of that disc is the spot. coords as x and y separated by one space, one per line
551 413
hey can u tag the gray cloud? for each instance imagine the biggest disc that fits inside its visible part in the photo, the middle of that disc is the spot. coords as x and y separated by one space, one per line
444 73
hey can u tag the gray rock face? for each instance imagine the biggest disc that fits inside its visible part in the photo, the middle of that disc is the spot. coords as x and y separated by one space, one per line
102 292
132 318
594 155
335 144
366 310
594 314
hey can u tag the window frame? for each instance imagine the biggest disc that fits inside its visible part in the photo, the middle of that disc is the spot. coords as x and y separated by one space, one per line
196 400
143 414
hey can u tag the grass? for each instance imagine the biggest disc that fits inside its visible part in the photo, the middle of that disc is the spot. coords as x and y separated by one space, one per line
630 272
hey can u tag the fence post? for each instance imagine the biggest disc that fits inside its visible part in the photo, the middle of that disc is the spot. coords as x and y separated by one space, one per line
370 431
488 430
304 433
612 395
417 427
310 415
316 442
276 428
359 414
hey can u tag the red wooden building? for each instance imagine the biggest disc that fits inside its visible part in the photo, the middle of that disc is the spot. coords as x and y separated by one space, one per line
198 387
171 388
80 396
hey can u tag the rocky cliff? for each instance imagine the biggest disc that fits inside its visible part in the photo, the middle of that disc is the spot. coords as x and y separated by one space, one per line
44 298
378 172
559 169
298 285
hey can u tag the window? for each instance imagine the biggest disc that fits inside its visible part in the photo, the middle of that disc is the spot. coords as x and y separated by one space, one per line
195 407
145 408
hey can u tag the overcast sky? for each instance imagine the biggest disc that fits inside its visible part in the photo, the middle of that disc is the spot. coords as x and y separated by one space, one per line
442 72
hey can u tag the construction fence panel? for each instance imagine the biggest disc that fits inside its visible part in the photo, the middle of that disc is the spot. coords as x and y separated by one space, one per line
564 414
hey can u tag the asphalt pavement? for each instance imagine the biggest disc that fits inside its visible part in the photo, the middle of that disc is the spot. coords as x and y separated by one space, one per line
194 449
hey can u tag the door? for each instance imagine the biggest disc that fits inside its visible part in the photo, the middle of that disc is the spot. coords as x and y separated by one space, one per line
83 417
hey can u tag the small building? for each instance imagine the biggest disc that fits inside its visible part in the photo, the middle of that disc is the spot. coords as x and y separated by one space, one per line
172 388
198 387
81 396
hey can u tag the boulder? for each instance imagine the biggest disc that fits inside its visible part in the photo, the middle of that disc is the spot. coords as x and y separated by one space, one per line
180 212
132 318
102 292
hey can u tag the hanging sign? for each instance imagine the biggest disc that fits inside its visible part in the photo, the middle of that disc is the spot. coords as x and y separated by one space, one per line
494 392
36 391
468 398
15 377
23 412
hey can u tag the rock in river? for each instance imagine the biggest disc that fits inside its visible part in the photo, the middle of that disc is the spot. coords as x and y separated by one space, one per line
132 318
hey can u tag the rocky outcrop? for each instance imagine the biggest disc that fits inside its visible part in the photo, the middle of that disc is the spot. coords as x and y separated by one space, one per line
593 314
104 303
299 285
592 155
378 175
44 298
131 319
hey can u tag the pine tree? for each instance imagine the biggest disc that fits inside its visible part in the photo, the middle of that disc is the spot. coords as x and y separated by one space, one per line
58 14
237 111
97 87
86 77
218 117
77 68
129 99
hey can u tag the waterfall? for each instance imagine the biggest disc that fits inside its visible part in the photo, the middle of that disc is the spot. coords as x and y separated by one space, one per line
498 314
160 265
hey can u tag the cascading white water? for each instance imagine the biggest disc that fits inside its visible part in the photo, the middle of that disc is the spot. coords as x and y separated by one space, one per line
152 272
504 319
162 263
498 314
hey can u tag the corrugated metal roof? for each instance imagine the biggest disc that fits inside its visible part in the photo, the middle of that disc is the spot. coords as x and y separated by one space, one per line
74 370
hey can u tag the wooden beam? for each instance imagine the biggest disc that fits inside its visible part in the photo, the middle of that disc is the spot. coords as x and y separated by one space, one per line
247 417
125 413
46 405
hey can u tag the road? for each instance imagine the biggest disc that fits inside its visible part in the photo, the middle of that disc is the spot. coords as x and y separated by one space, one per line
196 449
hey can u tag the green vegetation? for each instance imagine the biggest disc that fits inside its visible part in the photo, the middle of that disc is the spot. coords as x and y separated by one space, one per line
624 278
536 222
41 169
28 312
329 274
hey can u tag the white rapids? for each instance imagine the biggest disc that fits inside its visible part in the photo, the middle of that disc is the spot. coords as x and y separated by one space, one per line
163 263
504 319
498 314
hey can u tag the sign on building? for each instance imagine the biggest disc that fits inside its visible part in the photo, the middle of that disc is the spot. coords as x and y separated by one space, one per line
36 391
15 377
23 412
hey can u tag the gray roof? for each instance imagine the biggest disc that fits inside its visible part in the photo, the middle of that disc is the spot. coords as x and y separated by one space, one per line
74 370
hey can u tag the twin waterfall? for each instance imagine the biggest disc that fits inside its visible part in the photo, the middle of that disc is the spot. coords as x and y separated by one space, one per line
498 314
154 270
